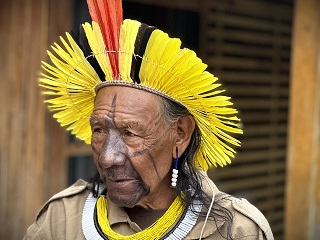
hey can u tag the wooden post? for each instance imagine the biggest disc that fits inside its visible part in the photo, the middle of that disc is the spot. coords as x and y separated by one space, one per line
303 167
32 146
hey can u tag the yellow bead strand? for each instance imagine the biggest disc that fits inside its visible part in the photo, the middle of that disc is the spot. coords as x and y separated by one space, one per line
155 231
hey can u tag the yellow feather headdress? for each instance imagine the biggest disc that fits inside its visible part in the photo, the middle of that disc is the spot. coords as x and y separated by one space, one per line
139 56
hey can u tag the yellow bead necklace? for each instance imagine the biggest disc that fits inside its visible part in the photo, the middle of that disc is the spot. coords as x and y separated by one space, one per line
155 231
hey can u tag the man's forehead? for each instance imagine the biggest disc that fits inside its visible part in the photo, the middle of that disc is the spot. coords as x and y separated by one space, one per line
123 98
135 123
126 106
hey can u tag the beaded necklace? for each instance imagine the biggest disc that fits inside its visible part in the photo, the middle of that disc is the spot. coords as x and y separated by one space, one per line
185 221
155 231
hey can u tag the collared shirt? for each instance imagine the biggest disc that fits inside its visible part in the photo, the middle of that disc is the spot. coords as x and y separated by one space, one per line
61 217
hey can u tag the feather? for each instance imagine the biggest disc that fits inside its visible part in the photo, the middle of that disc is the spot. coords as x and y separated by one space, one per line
127 40
108 15
96 43
84 44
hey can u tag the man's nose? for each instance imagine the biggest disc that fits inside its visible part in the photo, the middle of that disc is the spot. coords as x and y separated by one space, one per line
113 150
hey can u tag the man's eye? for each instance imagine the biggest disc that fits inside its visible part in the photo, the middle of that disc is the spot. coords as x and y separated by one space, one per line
128 133
98 130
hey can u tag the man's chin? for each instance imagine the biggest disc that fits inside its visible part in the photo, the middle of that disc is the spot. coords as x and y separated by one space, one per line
125 200
126 193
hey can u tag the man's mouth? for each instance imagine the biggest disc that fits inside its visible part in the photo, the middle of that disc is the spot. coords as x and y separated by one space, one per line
122 184
120 180
115 179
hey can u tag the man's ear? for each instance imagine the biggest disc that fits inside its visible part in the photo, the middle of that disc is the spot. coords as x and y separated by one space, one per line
185 128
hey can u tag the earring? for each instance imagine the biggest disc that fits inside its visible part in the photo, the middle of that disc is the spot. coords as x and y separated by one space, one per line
175 171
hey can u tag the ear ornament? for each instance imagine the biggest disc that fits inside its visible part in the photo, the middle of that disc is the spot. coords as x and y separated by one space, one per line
175 171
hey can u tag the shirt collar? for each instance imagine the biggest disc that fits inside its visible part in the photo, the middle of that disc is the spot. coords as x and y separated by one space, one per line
116 214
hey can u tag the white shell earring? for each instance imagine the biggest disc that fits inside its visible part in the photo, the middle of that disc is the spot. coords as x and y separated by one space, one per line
175 171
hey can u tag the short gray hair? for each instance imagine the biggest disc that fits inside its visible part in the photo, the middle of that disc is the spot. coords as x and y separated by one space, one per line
173 111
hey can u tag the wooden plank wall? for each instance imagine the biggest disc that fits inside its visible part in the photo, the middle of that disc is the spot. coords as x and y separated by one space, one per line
247 45
179 4
30 164
303 174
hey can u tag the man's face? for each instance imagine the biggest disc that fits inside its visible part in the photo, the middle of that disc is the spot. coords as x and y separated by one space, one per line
132 144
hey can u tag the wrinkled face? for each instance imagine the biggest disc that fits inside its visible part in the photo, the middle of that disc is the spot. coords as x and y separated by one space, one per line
132 143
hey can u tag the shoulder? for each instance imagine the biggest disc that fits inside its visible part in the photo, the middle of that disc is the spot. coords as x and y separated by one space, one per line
61 215
248 222
76 192
247 215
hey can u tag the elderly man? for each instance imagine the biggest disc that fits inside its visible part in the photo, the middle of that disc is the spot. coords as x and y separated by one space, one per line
156 121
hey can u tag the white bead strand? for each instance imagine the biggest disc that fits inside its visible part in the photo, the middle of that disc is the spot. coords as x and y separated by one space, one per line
174 177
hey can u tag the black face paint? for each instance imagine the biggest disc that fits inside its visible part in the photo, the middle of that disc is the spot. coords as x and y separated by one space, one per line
143 152
113 107
139 153
154 165
114 148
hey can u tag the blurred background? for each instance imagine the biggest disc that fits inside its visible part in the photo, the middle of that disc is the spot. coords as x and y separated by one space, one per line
265 52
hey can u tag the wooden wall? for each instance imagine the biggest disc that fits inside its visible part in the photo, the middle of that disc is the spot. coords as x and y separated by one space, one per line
179 4
32 168
303 174
247 45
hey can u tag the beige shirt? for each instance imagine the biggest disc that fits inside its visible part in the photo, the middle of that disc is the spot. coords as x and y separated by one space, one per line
61 218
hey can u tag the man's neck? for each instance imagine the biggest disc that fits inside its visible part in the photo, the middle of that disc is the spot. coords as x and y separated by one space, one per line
160 198
144 217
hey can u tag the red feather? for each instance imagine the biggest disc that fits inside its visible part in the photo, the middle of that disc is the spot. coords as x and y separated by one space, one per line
108 15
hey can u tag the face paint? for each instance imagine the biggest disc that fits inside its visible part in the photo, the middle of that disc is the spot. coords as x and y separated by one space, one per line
132 145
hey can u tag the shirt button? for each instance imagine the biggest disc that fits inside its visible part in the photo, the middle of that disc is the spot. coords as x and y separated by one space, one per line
238 200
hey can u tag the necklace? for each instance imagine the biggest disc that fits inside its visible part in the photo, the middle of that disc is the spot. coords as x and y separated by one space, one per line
184 225
155 231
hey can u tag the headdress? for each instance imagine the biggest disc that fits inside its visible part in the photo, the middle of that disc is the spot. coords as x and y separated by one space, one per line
111 51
